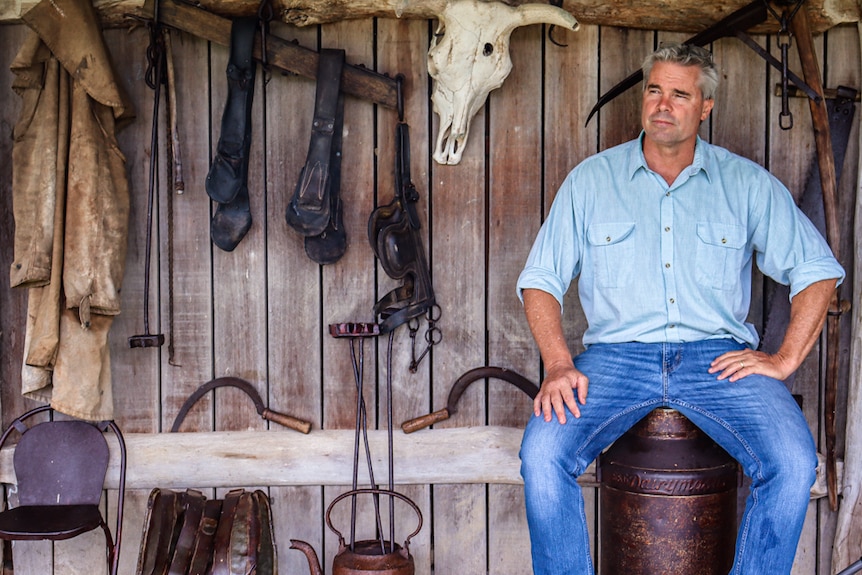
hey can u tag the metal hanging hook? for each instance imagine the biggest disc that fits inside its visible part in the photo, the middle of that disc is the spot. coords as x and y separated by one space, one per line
785 117
265 14
399 96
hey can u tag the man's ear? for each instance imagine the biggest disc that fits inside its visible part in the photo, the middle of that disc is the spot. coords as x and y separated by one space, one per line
707 108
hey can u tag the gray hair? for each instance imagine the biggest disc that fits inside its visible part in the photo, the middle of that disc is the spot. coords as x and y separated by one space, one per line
687 55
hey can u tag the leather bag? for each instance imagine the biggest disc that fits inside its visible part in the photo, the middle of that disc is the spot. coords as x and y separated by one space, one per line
186 534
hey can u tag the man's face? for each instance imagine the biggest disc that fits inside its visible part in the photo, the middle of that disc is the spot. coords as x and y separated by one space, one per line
673 104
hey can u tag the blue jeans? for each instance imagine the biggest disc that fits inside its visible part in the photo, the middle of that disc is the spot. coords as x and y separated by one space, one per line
755 420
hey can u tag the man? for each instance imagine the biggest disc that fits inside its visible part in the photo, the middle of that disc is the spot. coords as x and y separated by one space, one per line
662 232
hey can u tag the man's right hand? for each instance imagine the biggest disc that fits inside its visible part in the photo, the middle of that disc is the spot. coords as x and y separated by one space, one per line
558 391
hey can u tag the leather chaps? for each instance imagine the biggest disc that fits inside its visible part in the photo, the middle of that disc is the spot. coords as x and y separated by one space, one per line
315 209
228 176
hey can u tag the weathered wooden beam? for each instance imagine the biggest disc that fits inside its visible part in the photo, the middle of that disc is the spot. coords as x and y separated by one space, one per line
323 457
282 54
461 455
670 15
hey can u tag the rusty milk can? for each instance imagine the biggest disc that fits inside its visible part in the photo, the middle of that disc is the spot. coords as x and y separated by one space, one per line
668 500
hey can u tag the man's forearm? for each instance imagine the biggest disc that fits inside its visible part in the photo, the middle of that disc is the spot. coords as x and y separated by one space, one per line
546 325
807 314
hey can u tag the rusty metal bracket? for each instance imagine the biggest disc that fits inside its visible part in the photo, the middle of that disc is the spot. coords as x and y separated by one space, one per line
829 93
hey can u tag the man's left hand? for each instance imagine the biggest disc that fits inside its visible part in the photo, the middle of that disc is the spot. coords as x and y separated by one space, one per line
735 365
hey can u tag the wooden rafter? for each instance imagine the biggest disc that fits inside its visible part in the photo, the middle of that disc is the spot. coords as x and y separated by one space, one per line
670 15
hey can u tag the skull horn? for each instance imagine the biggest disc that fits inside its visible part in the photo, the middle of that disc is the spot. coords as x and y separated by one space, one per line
527 14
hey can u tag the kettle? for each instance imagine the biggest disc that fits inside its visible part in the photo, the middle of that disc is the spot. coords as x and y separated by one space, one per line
369 557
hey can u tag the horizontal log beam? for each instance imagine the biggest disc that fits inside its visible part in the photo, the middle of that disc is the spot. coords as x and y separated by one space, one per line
286 56
462 455
668 15
323 457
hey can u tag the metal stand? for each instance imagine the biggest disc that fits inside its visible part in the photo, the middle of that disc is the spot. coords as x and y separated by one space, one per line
357 333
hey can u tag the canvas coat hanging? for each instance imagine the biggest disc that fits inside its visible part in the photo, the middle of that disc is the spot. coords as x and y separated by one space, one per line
71 206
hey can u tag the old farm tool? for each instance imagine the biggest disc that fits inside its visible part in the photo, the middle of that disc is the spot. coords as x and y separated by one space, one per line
379 556
826 164
155 77
458 388
249 390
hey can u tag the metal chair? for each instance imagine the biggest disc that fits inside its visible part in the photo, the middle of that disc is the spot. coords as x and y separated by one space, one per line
60 468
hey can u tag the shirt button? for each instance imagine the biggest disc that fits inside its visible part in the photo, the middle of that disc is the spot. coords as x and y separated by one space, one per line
667 228
607 239
672 300
672 326
724 240
667 194
667 265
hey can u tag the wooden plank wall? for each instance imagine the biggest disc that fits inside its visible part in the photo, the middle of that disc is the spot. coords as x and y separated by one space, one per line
261 312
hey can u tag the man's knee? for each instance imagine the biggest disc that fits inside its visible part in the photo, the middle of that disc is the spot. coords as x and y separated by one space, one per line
794 469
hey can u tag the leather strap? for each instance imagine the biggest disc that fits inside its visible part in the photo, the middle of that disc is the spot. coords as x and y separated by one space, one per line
163 508
202 550
221 542
267 560
310 208
245 536
193 503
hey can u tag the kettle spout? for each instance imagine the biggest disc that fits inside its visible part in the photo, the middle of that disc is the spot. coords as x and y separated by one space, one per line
313 563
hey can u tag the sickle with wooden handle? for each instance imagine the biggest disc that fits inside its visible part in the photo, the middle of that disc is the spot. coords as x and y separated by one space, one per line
266 413
458 388
826 162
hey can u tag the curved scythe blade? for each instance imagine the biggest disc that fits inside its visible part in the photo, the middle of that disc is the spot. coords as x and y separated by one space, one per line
251 392
458 388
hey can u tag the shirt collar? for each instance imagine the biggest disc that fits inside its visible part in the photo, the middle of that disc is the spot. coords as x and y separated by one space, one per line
703 160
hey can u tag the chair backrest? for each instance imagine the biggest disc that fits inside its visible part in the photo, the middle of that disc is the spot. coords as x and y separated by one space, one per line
61 463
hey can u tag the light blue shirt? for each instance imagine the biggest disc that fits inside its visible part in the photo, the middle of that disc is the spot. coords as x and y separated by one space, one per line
658 263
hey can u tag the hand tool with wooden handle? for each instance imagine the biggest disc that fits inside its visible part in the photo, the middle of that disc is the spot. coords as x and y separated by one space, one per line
458 388
249 390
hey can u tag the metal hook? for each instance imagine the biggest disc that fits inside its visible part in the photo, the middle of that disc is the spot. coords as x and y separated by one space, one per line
551 29
265 15
399 97
785 118
784 44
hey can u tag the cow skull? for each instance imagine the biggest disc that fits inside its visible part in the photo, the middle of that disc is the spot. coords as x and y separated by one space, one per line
469 57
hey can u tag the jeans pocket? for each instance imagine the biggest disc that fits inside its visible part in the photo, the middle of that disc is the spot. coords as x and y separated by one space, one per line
613 249
720 252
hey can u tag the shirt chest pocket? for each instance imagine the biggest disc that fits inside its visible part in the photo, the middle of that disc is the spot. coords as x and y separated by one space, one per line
613 252
720 255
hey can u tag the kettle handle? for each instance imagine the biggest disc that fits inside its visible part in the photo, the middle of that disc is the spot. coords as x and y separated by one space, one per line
374 491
